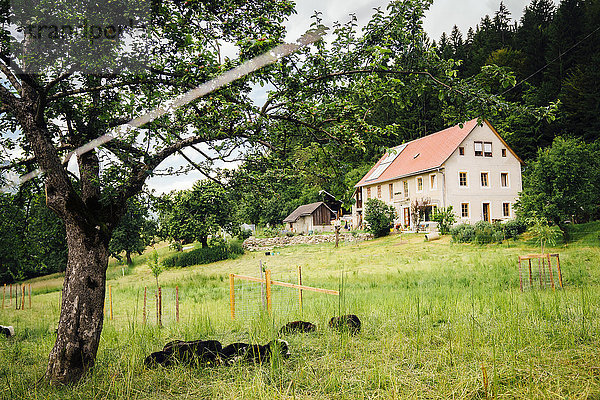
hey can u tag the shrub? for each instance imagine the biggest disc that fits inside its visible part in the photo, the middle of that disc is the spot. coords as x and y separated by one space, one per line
205 255
445 218
379 216
514 228
483 232
271 231
463 233
244 234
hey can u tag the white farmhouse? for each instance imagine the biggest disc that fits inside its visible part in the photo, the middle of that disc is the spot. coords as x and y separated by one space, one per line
470 168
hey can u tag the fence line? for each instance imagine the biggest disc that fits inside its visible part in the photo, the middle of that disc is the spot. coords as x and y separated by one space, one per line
25 289
268 282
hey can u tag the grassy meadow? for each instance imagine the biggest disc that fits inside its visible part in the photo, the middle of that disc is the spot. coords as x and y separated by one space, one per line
440 320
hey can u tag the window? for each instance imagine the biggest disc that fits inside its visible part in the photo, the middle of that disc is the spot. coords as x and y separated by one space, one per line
391 189
462 179
432 182
419 184
461 151
485 182
406 189
506 209
503 152
487 149
464 210
378 191
504 179
478 149
368 193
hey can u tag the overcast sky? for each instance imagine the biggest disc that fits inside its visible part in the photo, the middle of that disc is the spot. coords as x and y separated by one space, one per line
441 17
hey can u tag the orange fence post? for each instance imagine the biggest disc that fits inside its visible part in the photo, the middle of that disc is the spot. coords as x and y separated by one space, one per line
268 289
22 296
159 306
177 303
559 273
110 301
232 295
300 284
550 271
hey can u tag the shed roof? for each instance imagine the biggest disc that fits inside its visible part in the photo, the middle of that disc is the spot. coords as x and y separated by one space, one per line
420 155
306 209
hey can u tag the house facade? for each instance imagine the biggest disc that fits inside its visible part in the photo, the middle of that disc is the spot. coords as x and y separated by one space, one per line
470 168
314 217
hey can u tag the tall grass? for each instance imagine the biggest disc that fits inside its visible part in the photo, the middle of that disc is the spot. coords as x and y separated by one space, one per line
435 317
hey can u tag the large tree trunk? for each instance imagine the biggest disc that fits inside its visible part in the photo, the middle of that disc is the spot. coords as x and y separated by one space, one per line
82 313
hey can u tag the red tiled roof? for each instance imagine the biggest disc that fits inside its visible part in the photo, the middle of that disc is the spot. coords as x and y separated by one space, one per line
422 154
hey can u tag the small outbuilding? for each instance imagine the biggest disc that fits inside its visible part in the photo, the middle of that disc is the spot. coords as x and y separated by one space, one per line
315 217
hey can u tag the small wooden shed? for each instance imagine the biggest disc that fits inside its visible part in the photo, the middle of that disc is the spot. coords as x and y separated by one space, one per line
314 217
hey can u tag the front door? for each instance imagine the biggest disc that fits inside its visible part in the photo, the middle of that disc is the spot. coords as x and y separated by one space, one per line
486 212
406 217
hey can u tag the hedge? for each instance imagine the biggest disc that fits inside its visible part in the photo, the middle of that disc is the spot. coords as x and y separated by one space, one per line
205 255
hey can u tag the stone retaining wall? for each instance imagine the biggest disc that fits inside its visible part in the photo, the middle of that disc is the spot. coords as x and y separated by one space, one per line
266 244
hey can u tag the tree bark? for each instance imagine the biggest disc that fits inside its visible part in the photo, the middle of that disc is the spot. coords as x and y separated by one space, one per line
82 313
128 257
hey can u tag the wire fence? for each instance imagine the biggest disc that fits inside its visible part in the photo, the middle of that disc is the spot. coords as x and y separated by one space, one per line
540 271
252 298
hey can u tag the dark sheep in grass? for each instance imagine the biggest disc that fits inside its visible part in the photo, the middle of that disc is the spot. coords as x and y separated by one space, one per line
181 352
7 331
298 327
346 323
254 352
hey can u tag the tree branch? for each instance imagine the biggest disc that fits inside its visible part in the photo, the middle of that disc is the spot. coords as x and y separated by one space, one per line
305 124
113 86
382 71
27 78
11 77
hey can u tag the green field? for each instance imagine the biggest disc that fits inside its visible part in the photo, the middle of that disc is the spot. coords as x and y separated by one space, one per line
440 320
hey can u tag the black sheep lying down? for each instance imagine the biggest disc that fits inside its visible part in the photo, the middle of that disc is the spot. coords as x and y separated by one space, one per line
346 323
7 331
210 352
254 352
297 327
180 352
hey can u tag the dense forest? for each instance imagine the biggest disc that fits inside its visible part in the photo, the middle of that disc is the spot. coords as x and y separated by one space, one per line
548 59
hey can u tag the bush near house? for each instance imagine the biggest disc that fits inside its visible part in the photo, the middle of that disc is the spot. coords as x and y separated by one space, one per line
445 218
483 232
379 217
463 233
